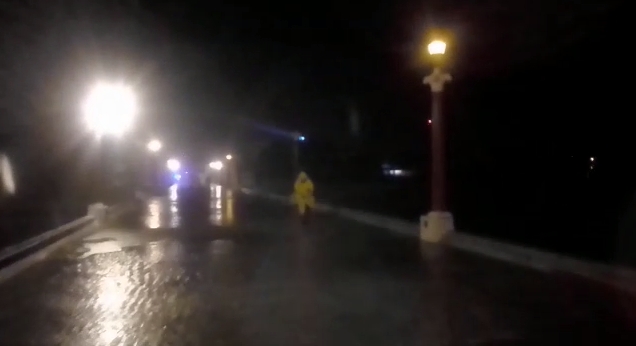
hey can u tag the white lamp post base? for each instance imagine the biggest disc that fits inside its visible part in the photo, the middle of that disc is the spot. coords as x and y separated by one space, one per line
436 226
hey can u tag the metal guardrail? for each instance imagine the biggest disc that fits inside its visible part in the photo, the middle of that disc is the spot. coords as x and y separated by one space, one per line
16 252
620 277
12 250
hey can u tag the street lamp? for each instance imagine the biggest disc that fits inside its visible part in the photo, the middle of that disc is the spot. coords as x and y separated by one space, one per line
154 146
437 47
110 109
173 165
438 223
216 165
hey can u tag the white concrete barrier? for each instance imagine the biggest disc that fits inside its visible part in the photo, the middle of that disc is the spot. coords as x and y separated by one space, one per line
623 278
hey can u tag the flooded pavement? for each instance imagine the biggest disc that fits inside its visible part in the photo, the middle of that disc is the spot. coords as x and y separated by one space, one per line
214 268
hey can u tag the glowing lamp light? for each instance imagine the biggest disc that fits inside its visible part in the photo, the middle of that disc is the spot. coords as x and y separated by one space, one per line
154 146
216 165
437 47
173 165
7 182
298 137
110 109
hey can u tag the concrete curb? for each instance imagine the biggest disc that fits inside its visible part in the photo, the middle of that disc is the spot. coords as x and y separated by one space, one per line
622 278
26 253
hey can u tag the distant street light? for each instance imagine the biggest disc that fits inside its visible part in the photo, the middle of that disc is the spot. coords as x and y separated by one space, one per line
592 161
296 151
436 225
173 165
154 146
110 109
216 165
231 172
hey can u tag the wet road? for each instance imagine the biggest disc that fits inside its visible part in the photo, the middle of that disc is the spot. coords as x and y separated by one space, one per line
222 269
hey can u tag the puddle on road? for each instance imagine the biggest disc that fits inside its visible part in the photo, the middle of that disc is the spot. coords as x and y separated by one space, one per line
90 249
107 242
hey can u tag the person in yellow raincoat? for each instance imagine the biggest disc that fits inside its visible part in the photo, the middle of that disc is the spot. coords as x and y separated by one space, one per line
304 196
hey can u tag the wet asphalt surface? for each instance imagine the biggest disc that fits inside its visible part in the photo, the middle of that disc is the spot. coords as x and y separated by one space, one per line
217 268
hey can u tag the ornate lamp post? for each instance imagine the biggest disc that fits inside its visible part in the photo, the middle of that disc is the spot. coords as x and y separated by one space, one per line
438 223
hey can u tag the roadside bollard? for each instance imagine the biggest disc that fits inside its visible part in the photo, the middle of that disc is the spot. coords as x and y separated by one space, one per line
436 226
98 212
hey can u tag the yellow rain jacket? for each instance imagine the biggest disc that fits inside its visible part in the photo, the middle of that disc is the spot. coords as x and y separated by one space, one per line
303 193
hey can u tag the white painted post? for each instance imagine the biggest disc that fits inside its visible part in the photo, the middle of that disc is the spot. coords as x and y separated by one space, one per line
98 212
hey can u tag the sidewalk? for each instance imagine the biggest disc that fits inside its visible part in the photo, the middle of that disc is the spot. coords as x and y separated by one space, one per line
391 198
254 276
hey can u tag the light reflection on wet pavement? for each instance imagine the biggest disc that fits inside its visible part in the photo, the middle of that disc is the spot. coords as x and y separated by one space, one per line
238 271
167 212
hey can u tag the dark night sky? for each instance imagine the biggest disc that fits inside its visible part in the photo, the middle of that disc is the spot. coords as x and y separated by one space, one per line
296 65
539 87
202 65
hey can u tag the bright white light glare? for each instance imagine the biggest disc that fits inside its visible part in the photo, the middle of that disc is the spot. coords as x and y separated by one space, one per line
110 109
175 218
592 159
173 165
153 219
6 173
437 47
173 192
298 137
112 297
228 157
154 145
216 165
